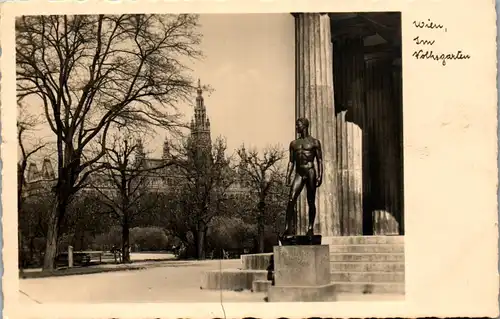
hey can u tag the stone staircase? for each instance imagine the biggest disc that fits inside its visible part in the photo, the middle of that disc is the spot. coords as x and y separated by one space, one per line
252 275
361 265
368 264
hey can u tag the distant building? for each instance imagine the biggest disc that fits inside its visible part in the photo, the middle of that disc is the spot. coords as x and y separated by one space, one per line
199 142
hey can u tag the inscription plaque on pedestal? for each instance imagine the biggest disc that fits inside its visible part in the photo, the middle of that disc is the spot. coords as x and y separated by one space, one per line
302 273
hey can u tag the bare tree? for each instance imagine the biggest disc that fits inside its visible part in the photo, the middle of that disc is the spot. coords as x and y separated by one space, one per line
32 224
89 217
126 180
29 219
276 204
260 172
26 124
96 72
207 176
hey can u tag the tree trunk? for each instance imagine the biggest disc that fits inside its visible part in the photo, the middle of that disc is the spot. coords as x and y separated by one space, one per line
32 249
63 191
82 241
21 252
260 232
125 241
52 236
200 242
20 184
260 224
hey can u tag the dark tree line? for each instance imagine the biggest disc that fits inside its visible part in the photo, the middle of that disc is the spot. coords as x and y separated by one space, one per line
203 200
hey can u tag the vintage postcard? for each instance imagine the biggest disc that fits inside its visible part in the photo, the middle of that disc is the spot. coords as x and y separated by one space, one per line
204 159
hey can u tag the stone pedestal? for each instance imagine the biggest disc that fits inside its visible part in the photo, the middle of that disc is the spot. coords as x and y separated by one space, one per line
302 273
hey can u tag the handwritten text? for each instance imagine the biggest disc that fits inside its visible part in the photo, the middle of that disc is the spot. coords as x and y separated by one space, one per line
424 45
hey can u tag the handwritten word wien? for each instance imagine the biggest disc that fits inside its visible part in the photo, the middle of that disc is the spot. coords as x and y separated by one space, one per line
429 25
423 54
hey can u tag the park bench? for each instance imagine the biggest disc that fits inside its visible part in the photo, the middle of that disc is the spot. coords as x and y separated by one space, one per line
79 259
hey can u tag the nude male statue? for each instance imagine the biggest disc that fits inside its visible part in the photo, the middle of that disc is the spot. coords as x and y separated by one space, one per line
303 152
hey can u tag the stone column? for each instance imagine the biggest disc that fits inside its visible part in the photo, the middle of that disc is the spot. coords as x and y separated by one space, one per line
383 147
349 67
314 100
397 80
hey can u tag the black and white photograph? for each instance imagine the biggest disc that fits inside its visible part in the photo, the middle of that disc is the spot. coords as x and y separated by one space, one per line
148 143
226 159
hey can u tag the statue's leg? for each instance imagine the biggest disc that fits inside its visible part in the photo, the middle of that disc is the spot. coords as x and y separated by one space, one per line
295 189
311 199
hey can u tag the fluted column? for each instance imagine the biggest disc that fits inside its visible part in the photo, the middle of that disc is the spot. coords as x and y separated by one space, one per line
383 147
397 80
314 100
348 69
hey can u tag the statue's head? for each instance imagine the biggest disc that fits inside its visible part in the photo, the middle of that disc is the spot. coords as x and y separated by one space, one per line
302 125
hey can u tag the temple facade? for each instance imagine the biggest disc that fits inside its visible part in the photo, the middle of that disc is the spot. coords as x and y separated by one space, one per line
349 84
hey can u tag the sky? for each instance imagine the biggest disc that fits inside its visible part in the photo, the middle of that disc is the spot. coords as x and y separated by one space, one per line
250 63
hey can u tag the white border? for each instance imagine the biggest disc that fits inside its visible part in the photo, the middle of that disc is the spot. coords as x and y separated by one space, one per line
450 135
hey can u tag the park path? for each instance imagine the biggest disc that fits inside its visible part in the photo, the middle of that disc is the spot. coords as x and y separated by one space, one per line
177 282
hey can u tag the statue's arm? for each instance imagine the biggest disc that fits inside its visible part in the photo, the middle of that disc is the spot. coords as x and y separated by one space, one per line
291 163
319 160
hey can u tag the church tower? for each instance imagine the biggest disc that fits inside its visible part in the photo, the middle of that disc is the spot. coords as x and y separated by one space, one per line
140 154
200 125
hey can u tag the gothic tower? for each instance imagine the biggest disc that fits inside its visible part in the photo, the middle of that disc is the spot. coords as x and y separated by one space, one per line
140 154
201 138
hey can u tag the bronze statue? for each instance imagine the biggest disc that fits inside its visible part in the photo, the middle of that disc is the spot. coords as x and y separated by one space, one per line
303 152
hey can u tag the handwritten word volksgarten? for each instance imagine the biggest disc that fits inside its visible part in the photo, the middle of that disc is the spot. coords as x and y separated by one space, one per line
440 57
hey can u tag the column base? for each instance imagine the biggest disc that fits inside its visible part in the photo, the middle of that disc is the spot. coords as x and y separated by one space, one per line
384 223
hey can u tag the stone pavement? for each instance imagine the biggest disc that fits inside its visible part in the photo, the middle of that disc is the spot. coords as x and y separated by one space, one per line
177 281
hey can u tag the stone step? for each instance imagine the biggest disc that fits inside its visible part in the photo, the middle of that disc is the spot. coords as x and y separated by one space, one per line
370 277
261 285
347 287
362 240
368 248
367 266
367 257
370 288
256 261
231 279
